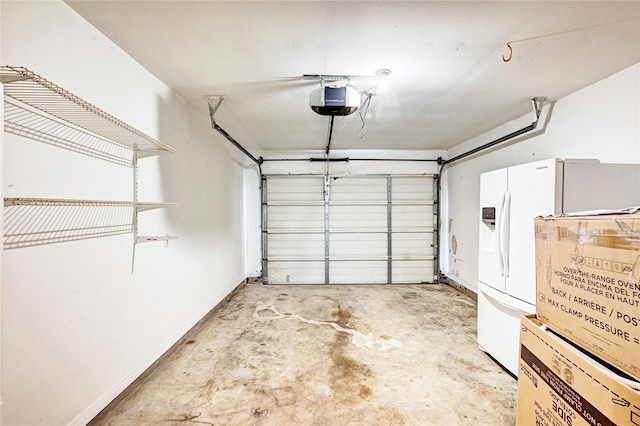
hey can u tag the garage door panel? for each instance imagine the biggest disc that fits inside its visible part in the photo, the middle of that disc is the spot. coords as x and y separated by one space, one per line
302 188
421 211
358 272
369 227
358 189
305 213
407 216
282 246
350 182
363 193
348 239
405 251
413 236
412 192
357 217
296 272
358 245
412 271
412 189
348 216
415 225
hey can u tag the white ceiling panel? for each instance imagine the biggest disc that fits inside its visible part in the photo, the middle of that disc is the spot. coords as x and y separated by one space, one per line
449 82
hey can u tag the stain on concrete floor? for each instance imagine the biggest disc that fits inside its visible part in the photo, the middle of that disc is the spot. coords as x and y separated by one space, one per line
349 379
325 355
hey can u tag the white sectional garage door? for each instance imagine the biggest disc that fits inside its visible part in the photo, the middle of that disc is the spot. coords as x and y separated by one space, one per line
348 229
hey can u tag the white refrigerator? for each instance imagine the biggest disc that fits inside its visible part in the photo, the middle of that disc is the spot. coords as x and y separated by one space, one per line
510 199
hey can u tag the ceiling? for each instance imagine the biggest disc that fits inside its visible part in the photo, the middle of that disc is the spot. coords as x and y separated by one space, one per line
448 79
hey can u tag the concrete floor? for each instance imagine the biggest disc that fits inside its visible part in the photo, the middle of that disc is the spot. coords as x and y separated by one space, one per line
325 355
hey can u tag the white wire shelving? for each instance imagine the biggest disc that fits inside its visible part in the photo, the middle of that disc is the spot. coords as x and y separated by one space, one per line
38 221
36 96
23 120
38 109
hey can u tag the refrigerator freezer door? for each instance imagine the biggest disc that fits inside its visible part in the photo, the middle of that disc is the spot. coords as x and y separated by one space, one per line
493 188
499 325
599 186
532 189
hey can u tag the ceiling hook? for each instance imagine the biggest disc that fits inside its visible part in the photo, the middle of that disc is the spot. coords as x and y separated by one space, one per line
510 53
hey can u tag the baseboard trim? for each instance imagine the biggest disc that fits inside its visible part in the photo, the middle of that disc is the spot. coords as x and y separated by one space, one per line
128 390
462 289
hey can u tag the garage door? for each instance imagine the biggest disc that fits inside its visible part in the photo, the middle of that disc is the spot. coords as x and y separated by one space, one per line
348 229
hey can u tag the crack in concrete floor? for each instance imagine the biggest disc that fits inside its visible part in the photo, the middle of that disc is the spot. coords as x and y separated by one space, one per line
358 338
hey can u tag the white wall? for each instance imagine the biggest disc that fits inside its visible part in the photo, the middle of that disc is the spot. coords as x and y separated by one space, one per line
77 325
600 121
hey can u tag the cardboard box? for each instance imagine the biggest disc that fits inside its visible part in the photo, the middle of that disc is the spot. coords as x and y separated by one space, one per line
588 284
560 385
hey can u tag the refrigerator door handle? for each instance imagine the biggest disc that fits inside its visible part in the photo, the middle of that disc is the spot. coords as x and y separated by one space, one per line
500 232
506 231
506 301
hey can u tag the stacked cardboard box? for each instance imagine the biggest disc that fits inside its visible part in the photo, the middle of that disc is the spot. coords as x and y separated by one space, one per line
588 284
560 385
588 292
